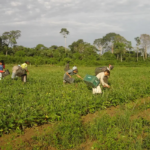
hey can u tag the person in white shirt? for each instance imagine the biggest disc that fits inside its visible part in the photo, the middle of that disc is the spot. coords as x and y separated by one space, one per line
102 69
101 76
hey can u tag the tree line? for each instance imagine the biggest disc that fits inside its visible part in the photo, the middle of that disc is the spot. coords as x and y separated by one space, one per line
112 46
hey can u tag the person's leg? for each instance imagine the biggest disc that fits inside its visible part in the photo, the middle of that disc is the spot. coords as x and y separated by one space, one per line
24 78
13 76
0 76
64 81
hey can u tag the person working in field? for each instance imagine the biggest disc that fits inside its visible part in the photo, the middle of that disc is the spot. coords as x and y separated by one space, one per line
102 69
24 67
67 76
1 69
3 63
6 72
101 76
20 71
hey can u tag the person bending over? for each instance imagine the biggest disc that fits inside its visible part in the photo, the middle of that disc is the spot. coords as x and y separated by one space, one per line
20 71
102 69
68 75
101 76
24 67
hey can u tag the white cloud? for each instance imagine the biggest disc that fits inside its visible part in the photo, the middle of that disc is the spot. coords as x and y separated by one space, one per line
15 3
84 19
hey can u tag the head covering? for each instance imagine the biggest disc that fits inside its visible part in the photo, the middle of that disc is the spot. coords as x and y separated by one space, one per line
74 68
111 67
27 61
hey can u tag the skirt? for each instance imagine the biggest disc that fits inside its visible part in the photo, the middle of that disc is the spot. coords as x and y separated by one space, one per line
97 90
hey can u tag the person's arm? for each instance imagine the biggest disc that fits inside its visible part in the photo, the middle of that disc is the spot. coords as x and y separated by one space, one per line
27 70
68 74
79 76
102 81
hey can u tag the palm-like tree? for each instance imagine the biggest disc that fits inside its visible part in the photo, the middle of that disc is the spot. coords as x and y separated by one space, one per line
64 32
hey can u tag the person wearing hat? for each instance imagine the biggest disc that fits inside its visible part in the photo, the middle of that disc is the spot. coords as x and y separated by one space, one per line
67 76
102 69
23 69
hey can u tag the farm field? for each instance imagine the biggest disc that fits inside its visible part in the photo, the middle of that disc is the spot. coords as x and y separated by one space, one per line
72 115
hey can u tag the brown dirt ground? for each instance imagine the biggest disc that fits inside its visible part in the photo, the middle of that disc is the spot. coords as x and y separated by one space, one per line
26 138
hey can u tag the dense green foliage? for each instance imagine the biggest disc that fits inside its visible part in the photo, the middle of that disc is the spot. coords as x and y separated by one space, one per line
112 47
44 99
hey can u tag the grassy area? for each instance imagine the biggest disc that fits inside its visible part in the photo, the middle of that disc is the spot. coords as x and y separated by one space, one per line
44 99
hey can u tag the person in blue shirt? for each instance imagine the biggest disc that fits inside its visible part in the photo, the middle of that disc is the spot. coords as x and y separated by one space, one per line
1 67
1 70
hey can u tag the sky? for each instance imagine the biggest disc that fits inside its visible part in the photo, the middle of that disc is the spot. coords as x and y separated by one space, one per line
40 21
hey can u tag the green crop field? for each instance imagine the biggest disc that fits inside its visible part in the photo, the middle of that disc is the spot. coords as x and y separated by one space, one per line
45 99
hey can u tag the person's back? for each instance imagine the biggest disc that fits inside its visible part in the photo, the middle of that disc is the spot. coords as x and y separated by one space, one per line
100 69
20 71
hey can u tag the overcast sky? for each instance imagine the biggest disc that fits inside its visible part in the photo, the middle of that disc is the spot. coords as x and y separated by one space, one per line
40 21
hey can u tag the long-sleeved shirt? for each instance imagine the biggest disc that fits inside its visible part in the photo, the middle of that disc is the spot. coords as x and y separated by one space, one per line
100 76
24 66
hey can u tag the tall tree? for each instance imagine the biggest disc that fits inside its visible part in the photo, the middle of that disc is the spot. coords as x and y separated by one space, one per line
145 43
138 42
64 32
9 38
74 46
108 41
120 45
119 49
40 47
98 43
129 46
